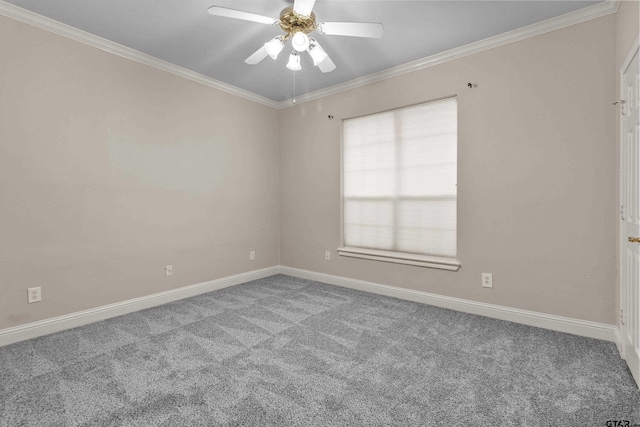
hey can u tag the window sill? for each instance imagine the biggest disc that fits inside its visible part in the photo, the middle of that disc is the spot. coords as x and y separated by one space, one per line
401 258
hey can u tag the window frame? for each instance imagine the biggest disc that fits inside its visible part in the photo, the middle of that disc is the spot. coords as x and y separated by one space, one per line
429 261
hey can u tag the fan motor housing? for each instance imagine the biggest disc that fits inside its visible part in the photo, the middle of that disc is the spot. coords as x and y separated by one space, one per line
292 23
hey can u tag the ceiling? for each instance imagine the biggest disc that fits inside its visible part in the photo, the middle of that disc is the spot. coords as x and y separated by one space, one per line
181 32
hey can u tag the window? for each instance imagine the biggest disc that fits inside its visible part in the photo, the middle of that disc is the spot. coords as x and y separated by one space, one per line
399 185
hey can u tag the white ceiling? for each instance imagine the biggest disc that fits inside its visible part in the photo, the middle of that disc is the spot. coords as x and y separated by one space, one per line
183 33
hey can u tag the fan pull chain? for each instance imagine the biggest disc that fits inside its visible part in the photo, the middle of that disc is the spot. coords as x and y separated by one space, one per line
294 87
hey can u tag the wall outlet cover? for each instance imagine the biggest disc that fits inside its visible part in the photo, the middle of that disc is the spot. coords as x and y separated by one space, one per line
34 294
487 280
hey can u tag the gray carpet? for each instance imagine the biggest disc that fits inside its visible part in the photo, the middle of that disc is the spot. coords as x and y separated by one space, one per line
290 352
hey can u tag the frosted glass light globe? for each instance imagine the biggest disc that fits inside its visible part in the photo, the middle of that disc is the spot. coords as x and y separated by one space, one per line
294 61
300 41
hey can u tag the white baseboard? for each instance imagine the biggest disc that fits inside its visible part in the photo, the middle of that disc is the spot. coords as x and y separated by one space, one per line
557 323
68 321
569 325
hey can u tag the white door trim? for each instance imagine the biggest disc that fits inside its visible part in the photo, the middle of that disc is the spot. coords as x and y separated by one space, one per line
628 59
622 232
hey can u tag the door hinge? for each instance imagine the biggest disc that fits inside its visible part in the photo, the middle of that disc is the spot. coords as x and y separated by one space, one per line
621 317
621 102
622 212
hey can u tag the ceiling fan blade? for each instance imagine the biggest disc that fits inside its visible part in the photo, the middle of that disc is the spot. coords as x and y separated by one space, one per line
327 65
238 14
303 7
372 30
257 56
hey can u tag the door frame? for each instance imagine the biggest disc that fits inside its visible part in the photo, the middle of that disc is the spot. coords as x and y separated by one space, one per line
621 232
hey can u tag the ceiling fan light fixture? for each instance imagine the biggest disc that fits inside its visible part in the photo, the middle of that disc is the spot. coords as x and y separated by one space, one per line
297 22
294 61
274 46
300 41
317 52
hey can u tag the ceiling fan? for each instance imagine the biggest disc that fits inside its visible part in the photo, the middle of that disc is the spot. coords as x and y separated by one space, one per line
297 22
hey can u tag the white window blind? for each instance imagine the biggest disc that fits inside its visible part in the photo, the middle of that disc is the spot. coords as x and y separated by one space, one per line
399 180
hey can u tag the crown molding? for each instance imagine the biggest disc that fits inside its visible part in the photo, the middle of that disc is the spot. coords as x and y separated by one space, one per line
592 12
572 18
12 11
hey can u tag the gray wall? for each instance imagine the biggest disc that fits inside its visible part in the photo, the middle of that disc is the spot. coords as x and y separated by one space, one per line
537 174
111 170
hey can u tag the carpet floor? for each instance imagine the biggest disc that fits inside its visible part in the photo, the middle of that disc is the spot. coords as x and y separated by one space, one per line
282 351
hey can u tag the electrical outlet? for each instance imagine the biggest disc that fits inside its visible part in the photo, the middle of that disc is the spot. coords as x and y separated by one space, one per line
252 255
168 271
34 295
487 280
327 255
